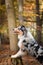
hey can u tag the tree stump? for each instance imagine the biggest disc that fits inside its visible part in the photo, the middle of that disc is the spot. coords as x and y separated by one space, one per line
16 61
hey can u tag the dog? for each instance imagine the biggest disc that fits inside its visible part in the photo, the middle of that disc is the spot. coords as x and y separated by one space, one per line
27 43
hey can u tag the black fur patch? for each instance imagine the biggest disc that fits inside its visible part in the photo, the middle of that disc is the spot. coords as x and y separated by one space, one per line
40 59
24 41
42 48
34 55
26 45
31 45
36 48
41 53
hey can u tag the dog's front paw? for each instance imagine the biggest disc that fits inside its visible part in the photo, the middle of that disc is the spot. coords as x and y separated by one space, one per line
13 56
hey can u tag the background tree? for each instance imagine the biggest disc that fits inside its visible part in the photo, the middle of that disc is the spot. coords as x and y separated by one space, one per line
0 41
20 11
38 22
42 27
11 24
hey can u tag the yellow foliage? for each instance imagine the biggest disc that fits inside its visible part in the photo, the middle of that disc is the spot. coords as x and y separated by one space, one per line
29 14
2 7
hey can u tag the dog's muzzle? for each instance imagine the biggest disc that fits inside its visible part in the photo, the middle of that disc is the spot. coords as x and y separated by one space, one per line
16 31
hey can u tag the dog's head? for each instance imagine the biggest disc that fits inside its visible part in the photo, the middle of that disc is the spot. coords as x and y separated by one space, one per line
20 30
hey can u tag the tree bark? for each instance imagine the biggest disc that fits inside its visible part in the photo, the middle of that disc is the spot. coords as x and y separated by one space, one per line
0 42
42 24
20 10
38 22
11 24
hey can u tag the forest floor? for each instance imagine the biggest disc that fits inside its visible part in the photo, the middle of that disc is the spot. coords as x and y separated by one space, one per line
6 60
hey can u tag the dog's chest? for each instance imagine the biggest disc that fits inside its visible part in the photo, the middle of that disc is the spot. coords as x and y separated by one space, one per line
20 43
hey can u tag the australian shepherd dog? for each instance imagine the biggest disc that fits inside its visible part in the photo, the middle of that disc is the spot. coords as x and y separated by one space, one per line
27 43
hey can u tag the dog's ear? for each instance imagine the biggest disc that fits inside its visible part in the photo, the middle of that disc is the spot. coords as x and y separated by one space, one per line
23 28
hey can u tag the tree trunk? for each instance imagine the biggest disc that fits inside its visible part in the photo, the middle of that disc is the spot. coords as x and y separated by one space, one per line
42 24
39 23
11 24
0 42
20 10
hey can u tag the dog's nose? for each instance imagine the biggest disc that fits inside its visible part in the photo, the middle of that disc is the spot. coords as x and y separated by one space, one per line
9 55
13 29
